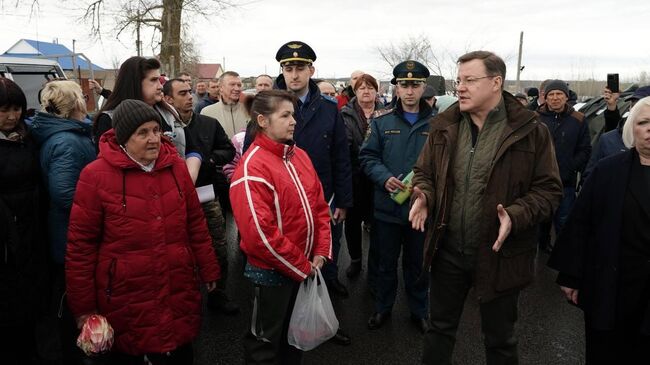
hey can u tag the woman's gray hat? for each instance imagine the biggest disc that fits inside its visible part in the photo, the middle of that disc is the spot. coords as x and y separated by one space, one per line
129 115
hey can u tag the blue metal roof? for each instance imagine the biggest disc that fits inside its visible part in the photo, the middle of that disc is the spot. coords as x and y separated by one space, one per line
46 49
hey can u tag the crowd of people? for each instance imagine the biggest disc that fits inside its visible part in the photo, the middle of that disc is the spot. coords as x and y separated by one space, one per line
468 193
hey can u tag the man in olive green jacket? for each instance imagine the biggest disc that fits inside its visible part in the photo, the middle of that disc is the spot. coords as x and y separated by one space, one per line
486 178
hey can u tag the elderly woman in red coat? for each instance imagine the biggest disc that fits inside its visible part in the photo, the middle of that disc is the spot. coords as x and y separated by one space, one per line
138 244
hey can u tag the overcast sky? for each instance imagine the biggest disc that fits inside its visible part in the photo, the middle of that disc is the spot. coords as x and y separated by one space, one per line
562 38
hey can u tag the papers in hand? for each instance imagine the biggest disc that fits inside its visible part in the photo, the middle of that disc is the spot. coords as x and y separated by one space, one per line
205 193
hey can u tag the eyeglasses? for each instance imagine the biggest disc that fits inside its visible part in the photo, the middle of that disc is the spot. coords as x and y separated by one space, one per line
330 94
471 80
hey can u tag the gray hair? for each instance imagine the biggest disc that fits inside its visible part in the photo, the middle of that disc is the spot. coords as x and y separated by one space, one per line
628 128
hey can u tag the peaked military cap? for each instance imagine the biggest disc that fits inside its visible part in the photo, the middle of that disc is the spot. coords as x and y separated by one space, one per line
295 51
410 71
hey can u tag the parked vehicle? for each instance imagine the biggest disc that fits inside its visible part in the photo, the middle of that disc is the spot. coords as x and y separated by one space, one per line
30 74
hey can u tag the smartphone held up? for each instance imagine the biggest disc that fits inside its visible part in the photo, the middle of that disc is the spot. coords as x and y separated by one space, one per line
612 83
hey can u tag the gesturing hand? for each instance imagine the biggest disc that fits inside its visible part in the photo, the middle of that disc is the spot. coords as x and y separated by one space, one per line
418 213
505 225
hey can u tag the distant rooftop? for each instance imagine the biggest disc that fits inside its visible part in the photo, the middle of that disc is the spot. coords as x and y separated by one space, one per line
208 70
29 48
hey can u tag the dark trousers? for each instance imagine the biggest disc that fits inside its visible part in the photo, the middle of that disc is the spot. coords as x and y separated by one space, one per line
331 269
629 340
615 347
373 259
217 229
559 218
266 340
393 238
362 211
451 278
353 233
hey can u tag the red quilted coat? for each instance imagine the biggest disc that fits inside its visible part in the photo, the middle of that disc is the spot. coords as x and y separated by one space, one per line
280 210
138 249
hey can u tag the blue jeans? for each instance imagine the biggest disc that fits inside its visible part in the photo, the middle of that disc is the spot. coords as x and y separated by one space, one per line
391 239
331 269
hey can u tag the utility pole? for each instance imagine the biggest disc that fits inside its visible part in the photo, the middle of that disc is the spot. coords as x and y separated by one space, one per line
74 58
137 31
521 45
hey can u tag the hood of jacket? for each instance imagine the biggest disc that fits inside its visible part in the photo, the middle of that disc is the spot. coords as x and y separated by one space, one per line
113 154
46 125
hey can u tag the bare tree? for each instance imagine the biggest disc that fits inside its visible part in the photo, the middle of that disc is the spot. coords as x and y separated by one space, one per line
163 17
416 48
440 59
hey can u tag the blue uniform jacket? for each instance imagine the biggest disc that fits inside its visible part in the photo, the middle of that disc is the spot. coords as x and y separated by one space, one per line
66 148
320 131
391 149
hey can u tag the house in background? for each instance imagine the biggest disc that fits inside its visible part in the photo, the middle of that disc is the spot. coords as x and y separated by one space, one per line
208 71
29 48
77 66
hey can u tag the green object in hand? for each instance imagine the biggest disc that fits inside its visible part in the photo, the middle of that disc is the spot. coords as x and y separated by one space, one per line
400 196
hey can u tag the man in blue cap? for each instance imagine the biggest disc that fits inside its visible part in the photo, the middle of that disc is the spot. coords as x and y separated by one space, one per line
392 147
320 131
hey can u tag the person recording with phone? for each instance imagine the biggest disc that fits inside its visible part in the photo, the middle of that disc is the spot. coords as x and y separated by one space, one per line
611 141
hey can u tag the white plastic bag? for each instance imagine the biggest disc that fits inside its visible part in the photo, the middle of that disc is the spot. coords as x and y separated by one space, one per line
313 320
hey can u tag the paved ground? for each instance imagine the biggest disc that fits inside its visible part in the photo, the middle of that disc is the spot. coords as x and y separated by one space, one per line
550 331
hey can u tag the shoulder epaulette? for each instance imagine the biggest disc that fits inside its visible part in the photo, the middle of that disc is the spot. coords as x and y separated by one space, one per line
381 112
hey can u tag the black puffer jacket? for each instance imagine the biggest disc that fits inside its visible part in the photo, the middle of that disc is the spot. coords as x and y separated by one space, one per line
356 130
216 149
23 248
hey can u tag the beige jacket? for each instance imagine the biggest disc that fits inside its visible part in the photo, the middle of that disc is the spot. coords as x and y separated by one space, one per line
232 117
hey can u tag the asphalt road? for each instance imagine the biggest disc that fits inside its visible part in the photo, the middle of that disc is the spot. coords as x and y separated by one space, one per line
549 330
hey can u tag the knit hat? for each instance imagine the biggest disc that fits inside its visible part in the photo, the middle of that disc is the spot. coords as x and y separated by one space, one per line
129 116
556 85
532 92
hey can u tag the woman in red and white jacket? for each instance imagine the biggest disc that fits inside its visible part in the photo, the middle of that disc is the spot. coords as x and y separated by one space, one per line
283 219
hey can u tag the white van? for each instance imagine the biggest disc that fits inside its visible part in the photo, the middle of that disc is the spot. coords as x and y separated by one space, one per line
30 74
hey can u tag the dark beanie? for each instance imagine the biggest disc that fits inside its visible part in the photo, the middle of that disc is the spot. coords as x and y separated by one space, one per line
129 116
556 85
